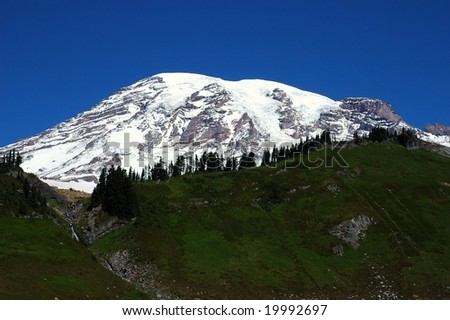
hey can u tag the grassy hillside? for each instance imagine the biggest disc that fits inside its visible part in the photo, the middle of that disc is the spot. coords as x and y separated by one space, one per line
265 233
40 260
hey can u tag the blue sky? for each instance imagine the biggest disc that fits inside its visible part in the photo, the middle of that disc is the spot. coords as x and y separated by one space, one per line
59 58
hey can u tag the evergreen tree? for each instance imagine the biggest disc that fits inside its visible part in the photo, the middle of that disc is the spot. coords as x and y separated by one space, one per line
98 194
118 199
212 162
170 169
274 154
34 197
159 172
203 162
356 138
178 167
281 154
11 161
247 161
266 157
325 137
196 164
26 188
378 134
180 163
18 161
228 165
288 152
300 146
243 161
43 203
407 138
143 175
251 160
190 165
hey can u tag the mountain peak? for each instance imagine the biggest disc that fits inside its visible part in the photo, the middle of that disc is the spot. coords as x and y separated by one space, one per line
186 113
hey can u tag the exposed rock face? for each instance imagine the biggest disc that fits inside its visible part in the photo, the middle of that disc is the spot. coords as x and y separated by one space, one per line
141 274
352 231
374 107
246 133
206 126
288 116
438 129
91 225
365 113
213 94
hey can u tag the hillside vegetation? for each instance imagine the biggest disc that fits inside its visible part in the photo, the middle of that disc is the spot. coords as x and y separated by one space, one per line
40 260
377 228
266 232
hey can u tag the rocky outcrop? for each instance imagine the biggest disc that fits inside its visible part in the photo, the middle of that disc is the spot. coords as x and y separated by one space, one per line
206 126
246 133
332 187
364 114
143 275
373 106
438 129
288 116
352 231
90 225
211 95
338 250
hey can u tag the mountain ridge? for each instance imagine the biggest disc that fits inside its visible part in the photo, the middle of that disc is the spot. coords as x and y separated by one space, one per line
185 113
437 129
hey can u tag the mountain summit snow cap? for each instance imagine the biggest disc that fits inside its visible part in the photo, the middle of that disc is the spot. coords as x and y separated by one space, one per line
185 113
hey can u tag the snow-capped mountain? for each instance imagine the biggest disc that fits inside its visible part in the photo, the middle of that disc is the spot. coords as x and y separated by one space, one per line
180 113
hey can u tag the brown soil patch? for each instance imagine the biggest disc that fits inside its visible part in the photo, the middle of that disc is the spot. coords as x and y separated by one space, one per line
72 195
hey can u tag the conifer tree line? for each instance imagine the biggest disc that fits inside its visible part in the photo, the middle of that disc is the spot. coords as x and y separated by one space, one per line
407 138
11 161
208 162
35 201
212 162
114 192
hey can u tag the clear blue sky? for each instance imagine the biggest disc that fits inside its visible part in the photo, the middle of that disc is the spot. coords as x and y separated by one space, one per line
58 58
